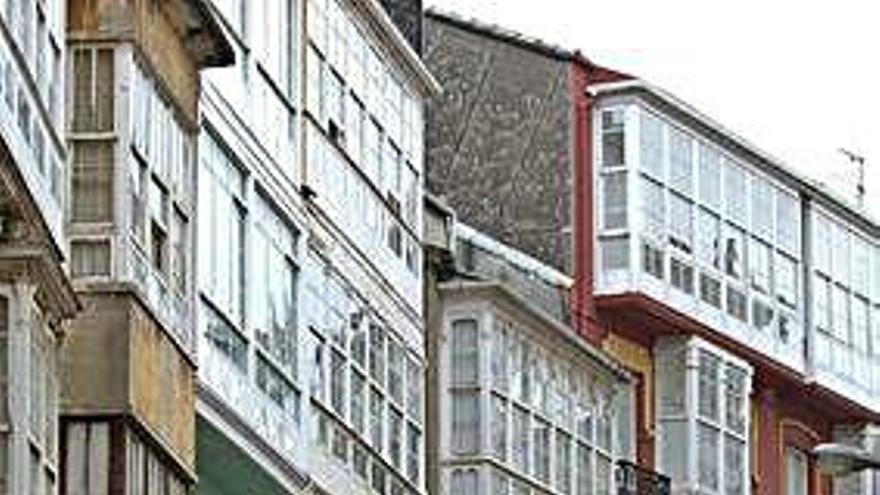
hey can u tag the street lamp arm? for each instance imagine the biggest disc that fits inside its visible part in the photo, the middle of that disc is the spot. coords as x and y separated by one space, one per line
839 460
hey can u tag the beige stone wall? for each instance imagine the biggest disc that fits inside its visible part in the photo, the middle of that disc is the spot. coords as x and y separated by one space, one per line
94 357
162 385
161 43
117 360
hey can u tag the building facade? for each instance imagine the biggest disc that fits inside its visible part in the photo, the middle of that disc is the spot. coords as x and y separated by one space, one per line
35 294
698 232
128 393
739 294
310 336
518 402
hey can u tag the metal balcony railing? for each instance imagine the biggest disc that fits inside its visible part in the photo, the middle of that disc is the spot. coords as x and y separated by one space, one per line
633 479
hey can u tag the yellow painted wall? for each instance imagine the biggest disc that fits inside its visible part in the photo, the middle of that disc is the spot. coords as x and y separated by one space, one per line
637 359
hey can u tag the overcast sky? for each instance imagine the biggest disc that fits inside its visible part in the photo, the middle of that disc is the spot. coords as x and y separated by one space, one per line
799 79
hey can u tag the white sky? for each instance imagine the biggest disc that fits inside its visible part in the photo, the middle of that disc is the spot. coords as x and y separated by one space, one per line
799 79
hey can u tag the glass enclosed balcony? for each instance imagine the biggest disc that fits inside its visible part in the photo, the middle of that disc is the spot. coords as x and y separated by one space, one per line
845 307
705 232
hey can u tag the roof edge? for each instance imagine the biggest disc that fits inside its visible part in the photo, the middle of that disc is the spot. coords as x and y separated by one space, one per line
562 329
804 182
500 33
219 53
401 47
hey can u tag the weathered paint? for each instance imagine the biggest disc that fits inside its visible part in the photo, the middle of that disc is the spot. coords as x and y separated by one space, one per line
117 360
157 35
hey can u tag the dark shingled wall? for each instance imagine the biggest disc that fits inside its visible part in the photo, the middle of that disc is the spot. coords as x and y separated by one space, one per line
499 140
407 16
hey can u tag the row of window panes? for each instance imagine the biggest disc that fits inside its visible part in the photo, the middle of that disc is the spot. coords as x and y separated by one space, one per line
158 225
376 220
845 300
345 63
270 30
92 122
345 118
846 257
848 317
467 480
336 441
16 104
721 423
747 303
159 178
690 168
274 122
535 379
520 426
43 389
723 249
366 74
34 29
275 379
146 473
363 373
158 136
265 285
656 190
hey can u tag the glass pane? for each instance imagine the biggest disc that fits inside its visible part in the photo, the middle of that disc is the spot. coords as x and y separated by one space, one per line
615 253
796 472
734 466
651 145
520 439
465 422
709 238
464 362
563 462
710 177
584 470
499 355
681 167
707 456
499 427
762 208
652 209
614 192
735 192
674 458
708 385
613 150
734 251
735 398
681 223
541 454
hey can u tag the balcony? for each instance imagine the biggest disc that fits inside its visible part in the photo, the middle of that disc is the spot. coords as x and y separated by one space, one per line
699 233
278 427
171 309
633 479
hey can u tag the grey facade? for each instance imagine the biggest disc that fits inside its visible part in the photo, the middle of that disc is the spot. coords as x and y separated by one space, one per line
409 18
499 142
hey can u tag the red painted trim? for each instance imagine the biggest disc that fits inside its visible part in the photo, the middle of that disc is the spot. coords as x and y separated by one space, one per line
643 319
767 477
584 73
583 308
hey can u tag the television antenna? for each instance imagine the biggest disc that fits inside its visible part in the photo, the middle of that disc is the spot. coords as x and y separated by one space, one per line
859 161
